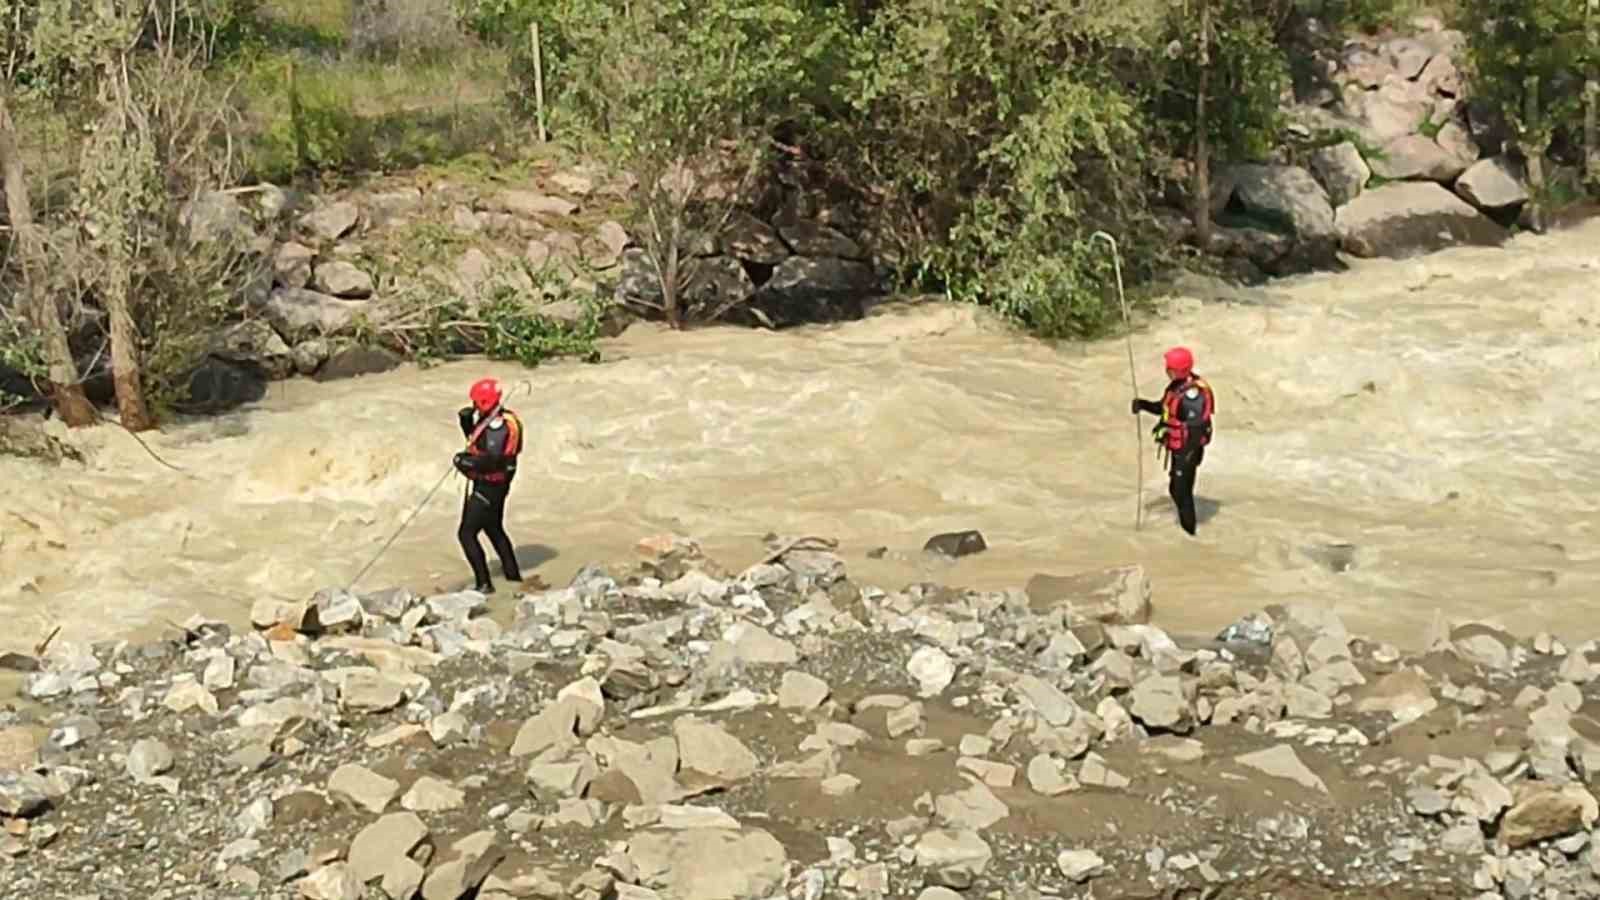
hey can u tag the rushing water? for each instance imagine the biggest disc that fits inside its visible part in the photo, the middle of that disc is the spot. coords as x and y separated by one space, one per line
1434 414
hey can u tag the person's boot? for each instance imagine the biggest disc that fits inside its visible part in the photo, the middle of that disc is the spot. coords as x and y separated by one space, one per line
511 570
484 587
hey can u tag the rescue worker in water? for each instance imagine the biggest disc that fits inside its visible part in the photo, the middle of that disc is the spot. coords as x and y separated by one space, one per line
494 440
1184 429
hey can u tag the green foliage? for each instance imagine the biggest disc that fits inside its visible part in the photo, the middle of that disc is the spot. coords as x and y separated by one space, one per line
515 333
685 95
1023 246
995 149
1248 69
1519 50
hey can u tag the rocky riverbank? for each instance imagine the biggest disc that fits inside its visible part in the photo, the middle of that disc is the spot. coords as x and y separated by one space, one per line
676 729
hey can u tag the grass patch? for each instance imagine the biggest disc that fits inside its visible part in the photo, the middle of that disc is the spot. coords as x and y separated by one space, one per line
343 116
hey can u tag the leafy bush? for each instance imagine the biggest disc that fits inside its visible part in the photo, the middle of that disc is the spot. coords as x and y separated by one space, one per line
992 149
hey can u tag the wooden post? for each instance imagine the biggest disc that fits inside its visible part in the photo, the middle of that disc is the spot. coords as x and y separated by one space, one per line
538 79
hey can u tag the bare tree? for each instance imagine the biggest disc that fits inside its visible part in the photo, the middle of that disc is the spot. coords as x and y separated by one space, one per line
1202 145
1591 91
62 383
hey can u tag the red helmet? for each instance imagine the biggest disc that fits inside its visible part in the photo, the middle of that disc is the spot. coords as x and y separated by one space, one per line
1180 361
485 394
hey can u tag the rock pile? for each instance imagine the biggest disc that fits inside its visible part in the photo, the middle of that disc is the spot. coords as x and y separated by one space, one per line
676 730
1401 162
337 261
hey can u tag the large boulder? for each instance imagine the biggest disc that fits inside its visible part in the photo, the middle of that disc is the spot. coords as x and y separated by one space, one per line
817 289
1416 157
720 281
1290 200
352 362
342 279
1119 596
1494 183
811 239
1412 217
1342 171
752 240
331 222
1390 112
218 385
299 314
215 216
291 265
255 342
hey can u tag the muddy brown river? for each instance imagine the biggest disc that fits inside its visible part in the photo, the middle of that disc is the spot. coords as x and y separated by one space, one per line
1429 419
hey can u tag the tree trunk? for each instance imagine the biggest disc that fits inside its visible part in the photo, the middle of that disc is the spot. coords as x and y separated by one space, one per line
1533 144
1202 145
131 405
62 382
1591 89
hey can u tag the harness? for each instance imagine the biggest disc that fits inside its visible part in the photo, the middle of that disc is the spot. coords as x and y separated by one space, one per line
1172 432
513 444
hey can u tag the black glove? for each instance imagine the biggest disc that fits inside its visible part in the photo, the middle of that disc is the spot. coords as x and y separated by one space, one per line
465 464
1134 406
465 415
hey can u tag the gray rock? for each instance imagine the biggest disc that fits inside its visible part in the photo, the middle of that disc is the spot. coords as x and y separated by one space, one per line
1078 866
464 867
1282 762
752 240
532 204
149 758
945 849
363 787
974 808
1544 812
1047 776
1118 596
1159 702
330 882
1342 171
332 221
370 691
215 217
1409 218
291 265
956 544
254 341
1289 199
810 289
23 794
429 794
1407 56
1495 183
709 863
933 670
1050 702
301 314
1417 157
342 279
708 748
812 239
720 281
801 691
352 362
310 355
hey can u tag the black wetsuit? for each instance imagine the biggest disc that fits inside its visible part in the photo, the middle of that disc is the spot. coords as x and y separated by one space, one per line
1192 404
491 464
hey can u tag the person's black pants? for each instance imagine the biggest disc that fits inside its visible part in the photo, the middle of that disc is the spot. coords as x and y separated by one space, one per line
1181 470
484 511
